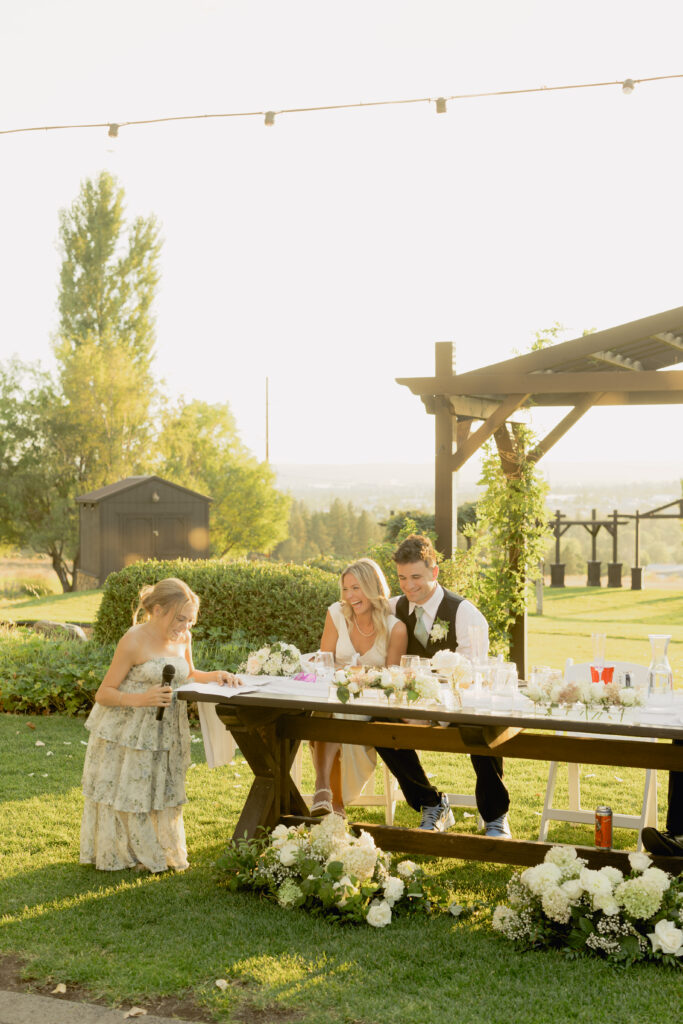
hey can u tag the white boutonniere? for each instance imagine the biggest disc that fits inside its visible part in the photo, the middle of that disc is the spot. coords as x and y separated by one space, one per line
439 630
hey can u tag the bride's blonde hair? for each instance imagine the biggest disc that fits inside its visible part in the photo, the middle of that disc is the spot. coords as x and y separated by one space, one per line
375 587
169 593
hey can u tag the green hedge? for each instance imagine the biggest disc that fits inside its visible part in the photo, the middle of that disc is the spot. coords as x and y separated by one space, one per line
39 675
246 603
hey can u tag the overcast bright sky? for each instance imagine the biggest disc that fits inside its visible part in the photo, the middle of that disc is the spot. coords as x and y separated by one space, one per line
332 250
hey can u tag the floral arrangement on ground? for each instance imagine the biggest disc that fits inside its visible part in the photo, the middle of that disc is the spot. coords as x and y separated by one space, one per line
328 871
277 659
565 905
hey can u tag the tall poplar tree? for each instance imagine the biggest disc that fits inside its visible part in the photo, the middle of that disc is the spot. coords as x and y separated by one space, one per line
89 426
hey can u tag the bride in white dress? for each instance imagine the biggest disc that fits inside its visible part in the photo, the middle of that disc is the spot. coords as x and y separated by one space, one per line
359 629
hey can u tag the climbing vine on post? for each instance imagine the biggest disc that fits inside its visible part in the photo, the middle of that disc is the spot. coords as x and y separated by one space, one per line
512 530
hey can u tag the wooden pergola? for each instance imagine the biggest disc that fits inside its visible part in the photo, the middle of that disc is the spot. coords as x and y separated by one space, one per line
624 365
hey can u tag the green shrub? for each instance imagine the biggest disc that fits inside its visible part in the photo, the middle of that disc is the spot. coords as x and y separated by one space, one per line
244 603
39 675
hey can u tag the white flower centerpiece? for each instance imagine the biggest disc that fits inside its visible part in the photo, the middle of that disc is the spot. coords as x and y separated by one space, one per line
277 659
563 904
326 870
456 667
552 691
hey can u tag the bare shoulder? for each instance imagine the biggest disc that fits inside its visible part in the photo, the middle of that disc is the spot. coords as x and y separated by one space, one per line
399 629
132 642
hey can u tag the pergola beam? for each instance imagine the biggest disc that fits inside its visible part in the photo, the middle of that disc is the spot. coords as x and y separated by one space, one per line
486 430
492 383
579 410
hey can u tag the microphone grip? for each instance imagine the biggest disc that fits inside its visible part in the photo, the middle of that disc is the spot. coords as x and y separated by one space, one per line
167 673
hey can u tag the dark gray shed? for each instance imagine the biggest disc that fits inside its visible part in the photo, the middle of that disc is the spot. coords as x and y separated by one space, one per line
137 518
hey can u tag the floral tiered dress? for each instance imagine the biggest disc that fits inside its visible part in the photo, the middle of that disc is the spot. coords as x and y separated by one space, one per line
134 778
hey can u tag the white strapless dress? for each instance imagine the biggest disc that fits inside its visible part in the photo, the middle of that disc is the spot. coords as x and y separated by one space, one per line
357 763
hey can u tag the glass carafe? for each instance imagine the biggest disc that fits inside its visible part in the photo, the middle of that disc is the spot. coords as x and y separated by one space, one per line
660 678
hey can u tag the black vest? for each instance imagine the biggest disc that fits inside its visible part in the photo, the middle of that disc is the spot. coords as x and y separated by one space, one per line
446 613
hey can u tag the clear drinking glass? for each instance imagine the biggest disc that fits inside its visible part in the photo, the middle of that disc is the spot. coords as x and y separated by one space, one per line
410 662
322 664
660 677
599 643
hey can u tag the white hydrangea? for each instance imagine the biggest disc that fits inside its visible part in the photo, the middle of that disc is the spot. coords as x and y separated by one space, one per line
614 874
595 882
406 868
359 860
379 914
566 859
573 889
393 889
540 877
640 897
656 877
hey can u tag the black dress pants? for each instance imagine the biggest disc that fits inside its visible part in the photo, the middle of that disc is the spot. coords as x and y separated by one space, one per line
492 797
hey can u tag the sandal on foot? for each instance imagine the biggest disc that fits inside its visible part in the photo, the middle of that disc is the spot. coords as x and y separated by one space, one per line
320 805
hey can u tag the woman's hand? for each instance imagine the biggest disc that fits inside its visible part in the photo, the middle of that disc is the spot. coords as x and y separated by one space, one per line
226 679
158 696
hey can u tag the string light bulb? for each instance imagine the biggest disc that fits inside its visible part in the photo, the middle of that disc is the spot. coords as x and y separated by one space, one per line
113 132
269 119
627 86
441 105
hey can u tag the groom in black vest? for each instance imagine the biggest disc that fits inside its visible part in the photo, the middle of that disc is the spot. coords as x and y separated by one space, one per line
438 619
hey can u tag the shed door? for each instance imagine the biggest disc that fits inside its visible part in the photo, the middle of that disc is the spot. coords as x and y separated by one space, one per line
170 537
138 539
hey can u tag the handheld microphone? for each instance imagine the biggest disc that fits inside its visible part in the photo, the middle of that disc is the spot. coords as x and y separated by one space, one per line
167 673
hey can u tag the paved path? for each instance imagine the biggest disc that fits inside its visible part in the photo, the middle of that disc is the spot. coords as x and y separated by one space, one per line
24 1008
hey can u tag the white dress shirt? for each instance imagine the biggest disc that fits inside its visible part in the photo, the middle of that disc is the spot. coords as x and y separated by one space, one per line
467 615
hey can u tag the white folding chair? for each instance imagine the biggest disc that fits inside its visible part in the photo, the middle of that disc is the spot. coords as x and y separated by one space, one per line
576 814
392 792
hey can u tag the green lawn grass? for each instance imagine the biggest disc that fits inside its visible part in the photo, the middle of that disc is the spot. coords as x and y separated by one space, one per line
127 938
79 607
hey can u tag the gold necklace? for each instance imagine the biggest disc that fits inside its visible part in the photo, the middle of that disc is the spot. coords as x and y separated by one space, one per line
373 630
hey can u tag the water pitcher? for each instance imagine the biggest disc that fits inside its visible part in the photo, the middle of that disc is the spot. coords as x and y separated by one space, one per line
660 678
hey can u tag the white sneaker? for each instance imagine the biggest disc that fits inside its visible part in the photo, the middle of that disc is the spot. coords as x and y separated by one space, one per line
437 818
498 828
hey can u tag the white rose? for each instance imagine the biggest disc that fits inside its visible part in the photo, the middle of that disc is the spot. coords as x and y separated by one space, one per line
279 832
379 914
253 665
393 889
607 904
354 687
340 676
639 861
288 852
386 678
446 661
668 938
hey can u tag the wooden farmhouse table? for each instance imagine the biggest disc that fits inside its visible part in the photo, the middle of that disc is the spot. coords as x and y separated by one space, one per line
268 728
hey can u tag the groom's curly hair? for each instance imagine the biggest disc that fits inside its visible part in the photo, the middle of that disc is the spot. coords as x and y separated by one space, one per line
416 548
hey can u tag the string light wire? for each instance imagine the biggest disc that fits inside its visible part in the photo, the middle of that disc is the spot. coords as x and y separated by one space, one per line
269 115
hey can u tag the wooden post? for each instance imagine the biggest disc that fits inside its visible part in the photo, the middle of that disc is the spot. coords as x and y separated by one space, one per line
445 499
